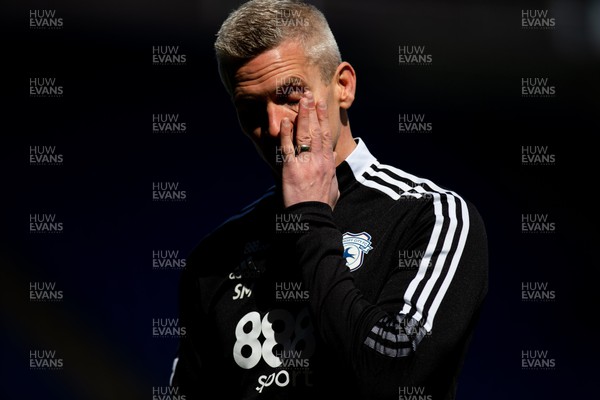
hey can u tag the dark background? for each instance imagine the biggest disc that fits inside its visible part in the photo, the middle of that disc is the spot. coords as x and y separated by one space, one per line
102 192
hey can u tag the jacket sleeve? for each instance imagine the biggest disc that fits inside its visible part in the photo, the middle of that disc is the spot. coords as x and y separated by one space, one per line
383 340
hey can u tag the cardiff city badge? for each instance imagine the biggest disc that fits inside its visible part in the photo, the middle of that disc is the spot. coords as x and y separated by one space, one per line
356 245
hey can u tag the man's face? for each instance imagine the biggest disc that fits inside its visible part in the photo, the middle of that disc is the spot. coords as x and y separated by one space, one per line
269 87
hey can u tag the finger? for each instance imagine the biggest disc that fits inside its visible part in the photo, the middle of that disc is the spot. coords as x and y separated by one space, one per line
286 141
313 124
323 117
313 119
302 123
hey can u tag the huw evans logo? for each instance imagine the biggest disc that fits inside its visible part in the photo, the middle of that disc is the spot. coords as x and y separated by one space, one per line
290 223
290 18
290 86
167 259
44 19
413 55
537 87
44 223
537 223
44 292
168 123
290 291
44 360
537 360
168 191
167 393
413 393
167 328
282 156
537 292
414 123
44 156
537 19
413 327
292 359
168 55
537 155
45 87
412 259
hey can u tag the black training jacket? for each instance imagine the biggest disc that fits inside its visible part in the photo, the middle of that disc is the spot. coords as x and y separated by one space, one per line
375 300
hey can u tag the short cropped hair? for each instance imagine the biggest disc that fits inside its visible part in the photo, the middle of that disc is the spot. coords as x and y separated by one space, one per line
261 25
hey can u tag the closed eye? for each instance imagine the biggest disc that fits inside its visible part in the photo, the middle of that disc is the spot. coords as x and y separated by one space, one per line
290 96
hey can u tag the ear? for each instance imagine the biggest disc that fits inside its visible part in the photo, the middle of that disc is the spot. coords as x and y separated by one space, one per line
345 84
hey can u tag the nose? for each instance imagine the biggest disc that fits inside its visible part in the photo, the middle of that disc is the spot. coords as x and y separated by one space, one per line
276 113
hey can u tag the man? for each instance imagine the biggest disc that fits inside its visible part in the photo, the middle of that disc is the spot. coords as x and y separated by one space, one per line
348 279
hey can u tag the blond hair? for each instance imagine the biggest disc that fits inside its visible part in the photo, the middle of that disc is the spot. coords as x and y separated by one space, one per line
260 25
